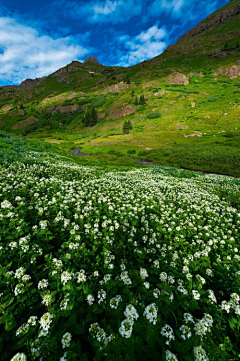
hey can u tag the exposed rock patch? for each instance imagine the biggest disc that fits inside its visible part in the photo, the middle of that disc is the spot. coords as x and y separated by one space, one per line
91 59
194 134
64 109
30 83
190 75
6 108
100 116
25 123
22 112
159 93
116 88
214 19
231 71
178 78
181 127
119 110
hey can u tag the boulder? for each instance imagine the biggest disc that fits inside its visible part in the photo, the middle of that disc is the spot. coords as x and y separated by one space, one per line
178 78
116 88
231 71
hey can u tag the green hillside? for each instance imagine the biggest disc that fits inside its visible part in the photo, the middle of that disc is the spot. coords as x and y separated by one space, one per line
190 118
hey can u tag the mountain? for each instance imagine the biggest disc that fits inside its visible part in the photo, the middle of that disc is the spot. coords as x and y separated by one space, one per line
191 93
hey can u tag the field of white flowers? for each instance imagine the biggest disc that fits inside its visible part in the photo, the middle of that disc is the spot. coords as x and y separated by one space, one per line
136 265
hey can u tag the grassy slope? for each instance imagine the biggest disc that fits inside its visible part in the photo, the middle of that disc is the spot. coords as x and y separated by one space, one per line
208 105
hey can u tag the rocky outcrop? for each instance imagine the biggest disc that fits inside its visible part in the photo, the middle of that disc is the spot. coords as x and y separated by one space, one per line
100 116
30 83
211 21
64 109
22 112
193 73
159 93
231 71
194 134
218 54
178 78
116 88
24 123
91 59
119 110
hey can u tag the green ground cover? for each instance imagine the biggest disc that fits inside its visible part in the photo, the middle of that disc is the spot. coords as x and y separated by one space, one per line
106 264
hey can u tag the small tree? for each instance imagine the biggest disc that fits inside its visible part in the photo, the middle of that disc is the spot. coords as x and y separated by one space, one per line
90 117
127 126
142 100
136 101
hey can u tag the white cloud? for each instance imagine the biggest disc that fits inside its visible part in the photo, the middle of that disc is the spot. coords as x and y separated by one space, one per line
185 10
27 54
102 11
172 6
146 45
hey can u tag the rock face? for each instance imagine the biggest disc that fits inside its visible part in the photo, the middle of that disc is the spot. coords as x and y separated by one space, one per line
116 88
178 78
64 109
214 19
91 59
24 123
30 83
119 110
232 71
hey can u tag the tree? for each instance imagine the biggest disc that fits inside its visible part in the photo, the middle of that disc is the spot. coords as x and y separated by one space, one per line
127 126
142 100
90 117
136 101
132 93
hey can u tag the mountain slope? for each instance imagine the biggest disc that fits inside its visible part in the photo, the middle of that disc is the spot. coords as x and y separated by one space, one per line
191 116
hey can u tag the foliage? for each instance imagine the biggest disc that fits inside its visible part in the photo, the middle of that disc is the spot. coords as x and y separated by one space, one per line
127 126
154 115
90 117
138 265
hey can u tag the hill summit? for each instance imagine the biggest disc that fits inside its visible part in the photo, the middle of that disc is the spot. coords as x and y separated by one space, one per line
91 59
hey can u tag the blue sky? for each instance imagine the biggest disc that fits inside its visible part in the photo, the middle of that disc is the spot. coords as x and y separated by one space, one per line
37 38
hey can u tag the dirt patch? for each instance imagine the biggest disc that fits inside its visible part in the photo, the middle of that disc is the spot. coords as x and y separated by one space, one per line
194 134
24 123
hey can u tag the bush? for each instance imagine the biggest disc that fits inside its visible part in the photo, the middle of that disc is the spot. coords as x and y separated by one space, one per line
142 153
131 151
154 115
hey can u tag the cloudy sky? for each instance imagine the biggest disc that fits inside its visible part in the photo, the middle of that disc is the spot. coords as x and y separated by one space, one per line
37 38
